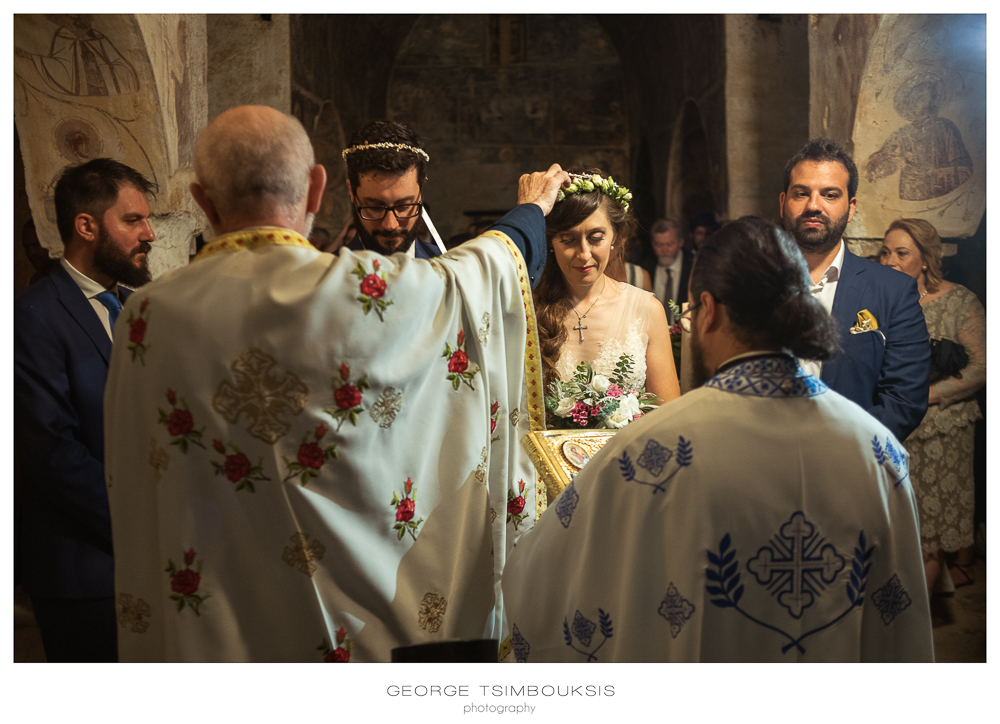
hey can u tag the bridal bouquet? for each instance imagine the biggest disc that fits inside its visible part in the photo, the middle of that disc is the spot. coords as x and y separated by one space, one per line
595 401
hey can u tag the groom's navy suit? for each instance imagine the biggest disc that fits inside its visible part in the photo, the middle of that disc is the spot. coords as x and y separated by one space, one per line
63 545
884 371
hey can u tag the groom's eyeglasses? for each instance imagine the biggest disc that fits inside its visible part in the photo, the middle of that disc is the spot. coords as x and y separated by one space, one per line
377 213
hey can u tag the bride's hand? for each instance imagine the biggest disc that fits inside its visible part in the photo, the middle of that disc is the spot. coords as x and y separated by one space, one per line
542 188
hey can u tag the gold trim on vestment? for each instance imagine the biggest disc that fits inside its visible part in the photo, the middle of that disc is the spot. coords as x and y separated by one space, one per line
253 239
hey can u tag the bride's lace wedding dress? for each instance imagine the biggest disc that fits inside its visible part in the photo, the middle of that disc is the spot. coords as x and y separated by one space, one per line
624 333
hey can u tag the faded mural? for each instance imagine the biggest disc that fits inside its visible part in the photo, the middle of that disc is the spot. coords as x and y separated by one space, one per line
920 132
85 86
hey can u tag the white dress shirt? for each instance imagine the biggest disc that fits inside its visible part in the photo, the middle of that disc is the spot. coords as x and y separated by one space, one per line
91 289
824 291
660 282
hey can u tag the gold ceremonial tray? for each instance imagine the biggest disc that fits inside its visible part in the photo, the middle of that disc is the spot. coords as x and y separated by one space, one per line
558 455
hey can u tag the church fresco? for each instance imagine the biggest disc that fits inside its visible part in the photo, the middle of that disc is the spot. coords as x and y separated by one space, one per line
117 86
920 128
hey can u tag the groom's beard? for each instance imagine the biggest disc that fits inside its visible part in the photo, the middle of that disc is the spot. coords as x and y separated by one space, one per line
386 242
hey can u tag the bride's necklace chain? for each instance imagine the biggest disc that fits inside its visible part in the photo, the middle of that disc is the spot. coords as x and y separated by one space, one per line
580 326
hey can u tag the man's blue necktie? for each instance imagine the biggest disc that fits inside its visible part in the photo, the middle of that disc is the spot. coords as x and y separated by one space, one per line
110 300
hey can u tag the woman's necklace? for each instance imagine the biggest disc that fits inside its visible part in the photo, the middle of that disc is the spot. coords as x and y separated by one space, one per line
580 326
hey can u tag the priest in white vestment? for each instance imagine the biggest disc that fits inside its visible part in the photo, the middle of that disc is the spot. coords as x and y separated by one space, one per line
313 457
760 517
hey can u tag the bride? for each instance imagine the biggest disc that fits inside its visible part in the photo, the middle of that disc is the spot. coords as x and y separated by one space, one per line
583 314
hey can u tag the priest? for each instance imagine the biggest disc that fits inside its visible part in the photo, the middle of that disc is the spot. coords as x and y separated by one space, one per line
313 457
761 517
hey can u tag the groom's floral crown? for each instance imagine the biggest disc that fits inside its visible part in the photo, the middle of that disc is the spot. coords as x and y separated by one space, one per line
385 145
585 183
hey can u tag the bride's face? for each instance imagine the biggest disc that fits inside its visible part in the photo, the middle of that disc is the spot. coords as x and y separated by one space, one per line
583 251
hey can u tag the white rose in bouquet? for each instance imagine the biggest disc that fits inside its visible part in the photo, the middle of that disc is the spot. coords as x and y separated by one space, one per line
600 384
565 405
628 407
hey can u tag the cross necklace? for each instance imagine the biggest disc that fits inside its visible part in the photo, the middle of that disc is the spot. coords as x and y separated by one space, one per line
580 326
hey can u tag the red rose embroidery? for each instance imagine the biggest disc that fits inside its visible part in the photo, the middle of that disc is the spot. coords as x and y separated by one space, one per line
189 557
342 632
219 447
372 286
180 422
339 655
310 455
493 426
237 467
185 582
515 505
494 407
320 432
404 511
145 303
138 331
458 362
347 396
171 397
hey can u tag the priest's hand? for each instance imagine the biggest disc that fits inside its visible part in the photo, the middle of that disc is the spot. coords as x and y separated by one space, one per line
541 189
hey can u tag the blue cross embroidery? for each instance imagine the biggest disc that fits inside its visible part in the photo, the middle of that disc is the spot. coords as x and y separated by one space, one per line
891 599
724 587
797 565
583 630
654 458
676 609
521 647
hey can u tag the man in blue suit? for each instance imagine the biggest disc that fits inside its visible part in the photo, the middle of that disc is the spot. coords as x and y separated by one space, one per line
385 178
62 344
886 351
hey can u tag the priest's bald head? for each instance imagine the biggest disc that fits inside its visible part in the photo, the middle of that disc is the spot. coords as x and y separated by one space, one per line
749 291
256 167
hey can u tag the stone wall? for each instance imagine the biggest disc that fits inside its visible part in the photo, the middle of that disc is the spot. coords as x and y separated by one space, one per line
767 102
496 96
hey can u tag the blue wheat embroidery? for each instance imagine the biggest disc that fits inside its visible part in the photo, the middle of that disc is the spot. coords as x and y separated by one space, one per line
891 459
726 590
583 629
654 458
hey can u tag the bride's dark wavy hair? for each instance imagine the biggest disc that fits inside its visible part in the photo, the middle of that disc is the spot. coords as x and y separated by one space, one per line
552 294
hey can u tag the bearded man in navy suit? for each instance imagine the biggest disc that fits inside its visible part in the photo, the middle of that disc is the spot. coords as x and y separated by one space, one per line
885 360
63 325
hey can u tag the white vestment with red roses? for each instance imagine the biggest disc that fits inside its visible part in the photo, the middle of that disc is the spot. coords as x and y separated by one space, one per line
314 457
760 517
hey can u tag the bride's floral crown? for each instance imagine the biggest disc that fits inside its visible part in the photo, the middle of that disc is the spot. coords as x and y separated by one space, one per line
585 183
385 145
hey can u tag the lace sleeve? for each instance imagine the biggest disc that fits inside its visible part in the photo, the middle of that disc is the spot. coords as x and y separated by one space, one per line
971 335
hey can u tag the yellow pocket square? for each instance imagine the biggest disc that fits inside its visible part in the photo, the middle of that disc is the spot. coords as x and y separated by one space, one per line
866 322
